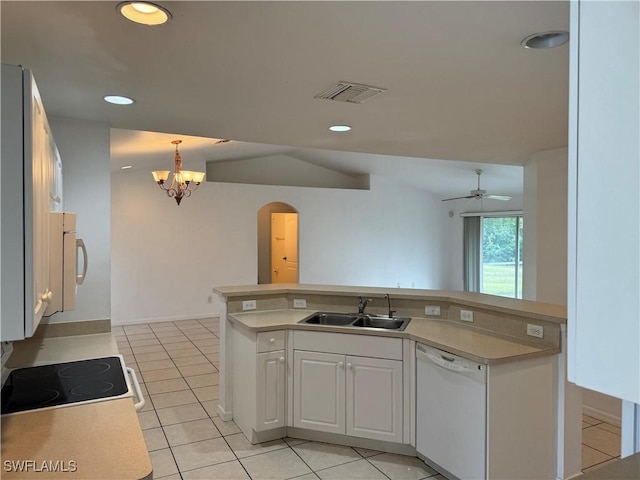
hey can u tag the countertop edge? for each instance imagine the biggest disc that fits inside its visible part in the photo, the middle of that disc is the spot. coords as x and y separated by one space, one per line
81 418
41 422
541 352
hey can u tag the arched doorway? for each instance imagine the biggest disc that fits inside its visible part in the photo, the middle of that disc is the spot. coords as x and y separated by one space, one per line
278 243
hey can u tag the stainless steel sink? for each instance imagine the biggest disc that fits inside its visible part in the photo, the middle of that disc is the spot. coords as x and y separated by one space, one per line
336 319
357 320
394 323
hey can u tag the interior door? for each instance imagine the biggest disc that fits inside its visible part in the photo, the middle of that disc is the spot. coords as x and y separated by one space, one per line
284 248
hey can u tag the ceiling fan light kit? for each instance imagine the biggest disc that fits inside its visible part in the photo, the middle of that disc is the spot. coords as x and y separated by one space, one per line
480 194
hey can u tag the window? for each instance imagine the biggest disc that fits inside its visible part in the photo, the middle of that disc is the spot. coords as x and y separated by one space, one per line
493 254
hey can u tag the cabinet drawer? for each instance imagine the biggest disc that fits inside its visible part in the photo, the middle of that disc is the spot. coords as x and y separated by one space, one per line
271 341
359 345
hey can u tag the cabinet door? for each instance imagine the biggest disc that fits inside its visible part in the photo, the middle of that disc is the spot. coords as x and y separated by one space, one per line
40 163
318 396
374 398
270 385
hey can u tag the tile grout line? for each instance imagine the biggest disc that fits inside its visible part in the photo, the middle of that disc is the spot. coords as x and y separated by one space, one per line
208 416
598 424
367 459
154 409
183 378
199 402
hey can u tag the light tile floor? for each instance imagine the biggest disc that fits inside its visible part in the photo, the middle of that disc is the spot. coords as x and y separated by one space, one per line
600 443
177 363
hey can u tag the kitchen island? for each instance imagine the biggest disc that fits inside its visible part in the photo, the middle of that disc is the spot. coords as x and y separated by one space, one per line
357 386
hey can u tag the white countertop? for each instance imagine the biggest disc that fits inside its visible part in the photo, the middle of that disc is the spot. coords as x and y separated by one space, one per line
39 351
475 344
103 438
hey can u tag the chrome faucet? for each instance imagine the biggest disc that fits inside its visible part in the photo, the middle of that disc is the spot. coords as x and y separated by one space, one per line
362 304
391 312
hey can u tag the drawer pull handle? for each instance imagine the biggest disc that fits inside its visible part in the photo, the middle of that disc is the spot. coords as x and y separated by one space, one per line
341 365
349 366
272 340
281 359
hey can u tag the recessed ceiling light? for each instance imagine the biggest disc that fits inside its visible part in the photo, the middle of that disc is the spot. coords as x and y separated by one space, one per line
126 167
339 128
550 39
146 13
118 99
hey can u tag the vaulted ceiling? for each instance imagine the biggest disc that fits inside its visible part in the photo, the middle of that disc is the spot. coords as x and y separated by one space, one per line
458 84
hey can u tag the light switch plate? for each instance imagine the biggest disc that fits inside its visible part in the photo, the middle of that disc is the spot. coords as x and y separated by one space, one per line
299 303
466 315
248 305
433 310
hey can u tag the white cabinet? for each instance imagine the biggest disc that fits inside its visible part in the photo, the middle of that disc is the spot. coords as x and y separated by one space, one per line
31 188
259 383
270 388
345 394
501 425
319 391
374 398
604 198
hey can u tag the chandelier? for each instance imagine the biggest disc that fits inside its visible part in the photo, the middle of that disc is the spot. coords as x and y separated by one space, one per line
183 183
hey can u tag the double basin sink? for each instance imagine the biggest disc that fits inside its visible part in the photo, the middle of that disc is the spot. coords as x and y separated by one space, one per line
357 320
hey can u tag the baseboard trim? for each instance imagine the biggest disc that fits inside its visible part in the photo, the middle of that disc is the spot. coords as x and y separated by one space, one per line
117 323
224 415
600 415
381 445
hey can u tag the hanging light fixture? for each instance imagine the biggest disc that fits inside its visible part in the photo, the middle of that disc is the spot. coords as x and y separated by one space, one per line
184 182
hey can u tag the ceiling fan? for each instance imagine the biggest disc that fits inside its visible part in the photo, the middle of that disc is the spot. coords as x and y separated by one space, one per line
480 194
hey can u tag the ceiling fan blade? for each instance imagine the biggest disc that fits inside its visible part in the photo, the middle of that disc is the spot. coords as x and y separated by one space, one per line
497 197
459 198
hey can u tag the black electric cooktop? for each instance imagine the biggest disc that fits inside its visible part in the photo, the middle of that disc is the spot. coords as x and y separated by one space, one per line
63 383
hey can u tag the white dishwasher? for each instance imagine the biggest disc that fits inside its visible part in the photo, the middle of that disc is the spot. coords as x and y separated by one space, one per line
451 413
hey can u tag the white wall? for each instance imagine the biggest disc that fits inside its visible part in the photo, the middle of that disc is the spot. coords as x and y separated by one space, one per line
545 232
545 210
85 151
166 259
545 276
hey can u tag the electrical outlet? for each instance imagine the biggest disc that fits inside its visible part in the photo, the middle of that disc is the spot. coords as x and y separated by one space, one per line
248 305
433 310
466 315
210 299
299 303
535 330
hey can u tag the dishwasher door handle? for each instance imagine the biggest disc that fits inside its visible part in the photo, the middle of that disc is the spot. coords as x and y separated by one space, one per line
447 363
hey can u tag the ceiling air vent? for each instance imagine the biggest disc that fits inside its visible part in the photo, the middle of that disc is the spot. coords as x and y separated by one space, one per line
350 92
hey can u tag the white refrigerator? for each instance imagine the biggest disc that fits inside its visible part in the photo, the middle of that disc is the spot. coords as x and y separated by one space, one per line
64 265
